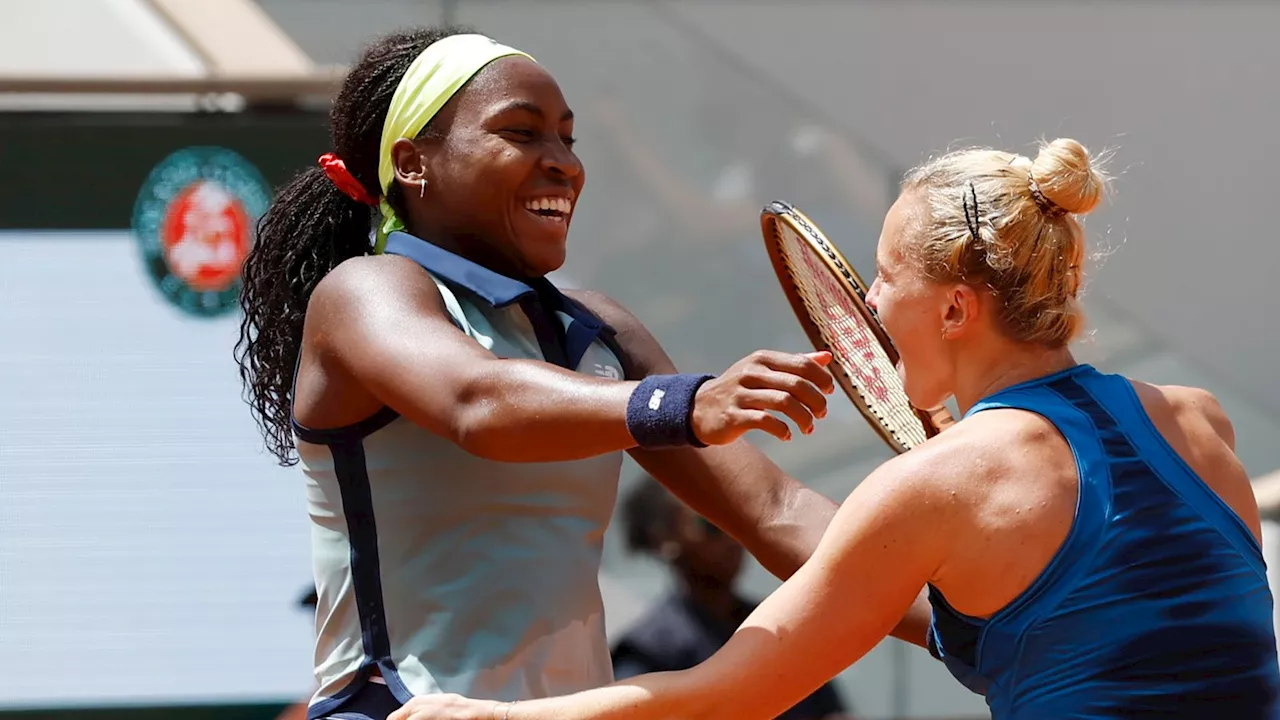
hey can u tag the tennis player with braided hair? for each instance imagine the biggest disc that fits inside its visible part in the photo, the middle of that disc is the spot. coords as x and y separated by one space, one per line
460 420
1090 543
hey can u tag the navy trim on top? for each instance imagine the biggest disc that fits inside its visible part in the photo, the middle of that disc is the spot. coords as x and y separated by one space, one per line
539 299
321 709
369 701
357 505
497 290
586 329
346 433
332 436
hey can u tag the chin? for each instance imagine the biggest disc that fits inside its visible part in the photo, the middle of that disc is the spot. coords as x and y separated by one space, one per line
546 260
536 256
924 395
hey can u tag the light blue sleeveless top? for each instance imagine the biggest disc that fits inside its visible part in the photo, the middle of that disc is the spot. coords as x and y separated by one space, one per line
448 572
1157 604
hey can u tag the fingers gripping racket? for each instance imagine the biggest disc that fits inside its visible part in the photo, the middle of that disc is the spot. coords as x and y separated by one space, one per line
829 300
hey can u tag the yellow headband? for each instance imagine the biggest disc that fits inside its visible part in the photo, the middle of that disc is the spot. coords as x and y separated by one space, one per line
434 77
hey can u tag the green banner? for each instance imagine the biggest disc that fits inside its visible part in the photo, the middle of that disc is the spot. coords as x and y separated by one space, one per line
72 171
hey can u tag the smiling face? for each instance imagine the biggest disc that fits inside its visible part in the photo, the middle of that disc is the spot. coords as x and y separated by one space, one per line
501 176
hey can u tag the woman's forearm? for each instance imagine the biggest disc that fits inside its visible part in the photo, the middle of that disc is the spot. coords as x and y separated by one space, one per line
655 696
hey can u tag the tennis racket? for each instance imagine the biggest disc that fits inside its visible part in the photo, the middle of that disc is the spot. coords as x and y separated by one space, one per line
829 300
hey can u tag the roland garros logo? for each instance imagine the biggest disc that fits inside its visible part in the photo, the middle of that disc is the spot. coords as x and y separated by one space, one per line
194 220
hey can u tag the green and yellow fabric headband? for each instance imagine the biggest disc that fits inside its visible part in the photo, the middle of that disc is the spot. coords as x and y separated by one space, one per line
433 78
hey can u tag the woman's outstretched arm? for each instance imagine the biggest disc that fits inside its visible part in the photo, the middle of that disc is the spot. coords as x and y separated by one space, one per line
883 546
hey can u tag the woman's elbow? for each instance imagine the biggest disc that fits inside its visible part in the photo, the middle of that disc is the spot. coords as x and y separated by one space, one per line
476 418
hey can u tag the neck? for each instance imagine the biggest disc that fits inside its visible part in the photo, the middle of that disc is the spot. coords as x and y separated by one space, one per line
1005 365
473 249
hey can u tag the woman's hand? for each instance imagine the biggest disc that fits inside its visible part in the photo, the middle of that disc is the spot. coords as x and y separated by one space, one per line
747 396
450 707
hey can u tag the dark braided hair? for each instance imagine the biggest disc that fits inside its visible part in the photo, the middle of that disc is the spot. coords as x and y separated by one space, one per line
310 228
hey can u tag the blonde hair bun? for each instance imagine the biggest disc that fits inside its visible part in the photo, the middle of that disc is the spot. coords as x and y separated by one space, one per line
1066 177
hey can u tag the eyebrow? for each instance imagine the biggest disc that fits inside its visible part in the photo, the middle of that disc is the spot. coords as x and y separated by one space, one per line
531 108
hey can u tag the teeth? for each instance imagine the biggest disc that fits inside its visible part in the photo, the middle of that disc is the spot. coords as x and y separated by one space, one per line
558 204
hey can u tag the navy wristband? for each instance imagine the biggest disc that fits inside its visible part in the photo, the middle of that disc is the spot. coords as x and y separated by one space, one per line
660 412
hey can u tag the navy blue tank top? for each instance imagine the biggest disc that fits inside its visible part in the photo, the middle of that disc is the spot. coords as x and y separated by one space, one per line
1157 603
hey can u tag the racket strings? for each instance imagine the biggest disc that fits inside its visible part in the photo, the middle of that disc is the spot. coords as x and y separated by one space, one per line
846 333
859 354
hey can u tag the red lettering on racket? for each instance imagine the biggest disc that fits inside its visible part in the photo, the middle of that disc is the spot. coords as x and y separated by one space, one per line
848 330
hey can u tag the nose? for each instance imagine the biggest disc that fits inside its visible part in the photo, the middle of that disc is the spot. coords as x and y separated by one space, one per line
560 160
873 295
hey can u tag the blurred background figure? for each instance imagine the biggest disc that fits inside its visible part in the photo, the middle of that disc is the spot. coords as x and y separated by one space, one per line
703 609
